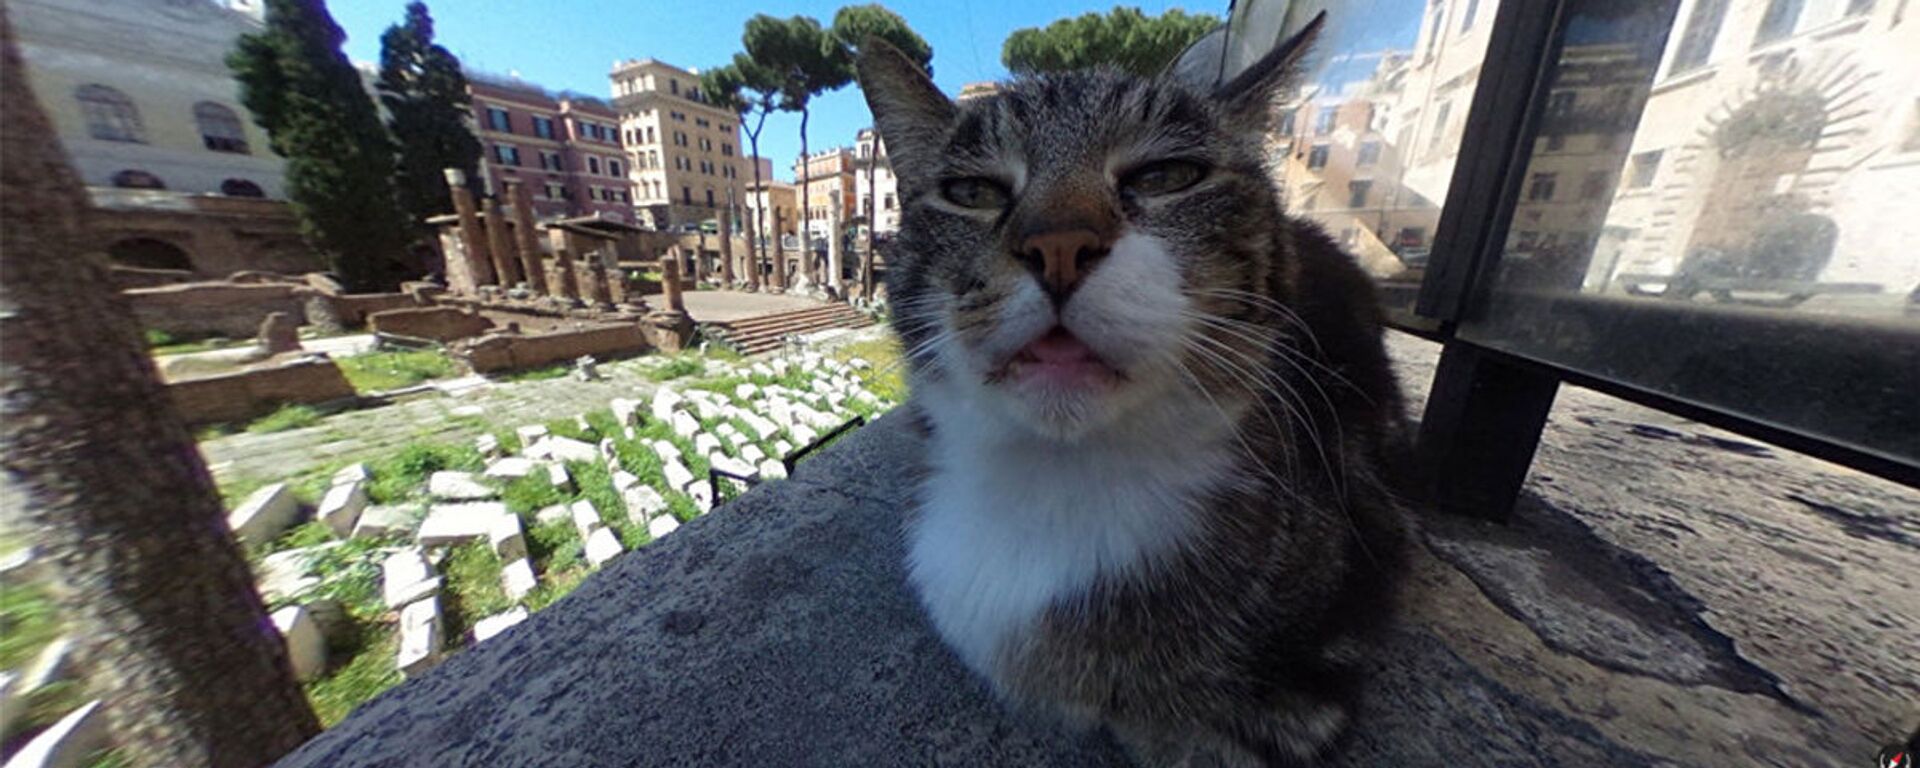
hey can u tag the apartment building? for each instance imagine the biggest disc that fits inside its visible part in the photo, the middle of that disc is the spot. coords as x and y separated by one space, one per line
564 147
781 203
831 182
685 153
876 184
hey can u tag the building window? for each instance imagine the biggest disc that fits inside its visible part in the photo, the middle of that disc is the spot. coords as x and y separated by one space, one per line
506 155
673 85
686 195
1594 186
1541 187
133 179
241 188
1439 127
1696 43
1357 193
499 120
1779 20
220 128
887 202
111 116
593 164
1369 154
543 126
1323 120
1467 14
650 138
613 168
1645 166
1317 157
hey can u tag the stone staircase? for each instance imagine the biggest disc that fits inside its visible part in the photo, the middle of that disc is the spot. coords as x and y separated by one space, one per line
754 335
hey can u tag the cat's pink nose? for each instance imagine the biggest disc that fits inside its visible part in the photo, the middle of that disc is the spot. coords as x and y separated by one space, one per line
1062 258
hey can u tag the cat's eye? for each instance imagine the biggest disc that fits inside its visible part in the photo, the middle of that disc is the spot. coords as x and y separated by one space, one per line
1162 177
975 192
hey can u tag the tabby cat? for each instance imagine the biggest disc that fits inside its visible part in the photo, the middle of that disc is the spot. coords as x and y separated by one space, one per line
1160 416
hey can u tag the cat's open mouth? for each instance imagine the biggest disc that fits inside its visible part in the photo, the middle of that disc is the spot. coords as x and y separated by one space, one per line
1058 359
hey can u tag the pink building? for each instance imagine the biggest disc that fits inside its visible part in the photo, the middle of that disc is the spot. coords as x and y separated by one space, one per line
564 147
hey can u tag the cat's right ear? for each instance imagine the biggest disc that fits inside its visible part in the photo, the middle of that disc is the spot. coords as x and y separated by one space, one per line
911 114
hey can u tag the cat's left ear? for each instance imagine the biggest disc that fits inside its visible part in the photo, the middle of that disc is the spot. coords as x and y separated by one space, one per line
1248 97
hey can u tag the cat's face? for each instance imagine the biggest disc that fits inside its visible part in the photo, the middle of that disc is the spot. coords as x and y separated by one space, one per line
1079 247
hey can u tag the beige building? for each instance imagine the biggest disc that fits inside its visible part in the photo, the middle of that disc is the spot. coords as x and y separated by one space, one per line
831 188
141 96
876 185
781 203
684 154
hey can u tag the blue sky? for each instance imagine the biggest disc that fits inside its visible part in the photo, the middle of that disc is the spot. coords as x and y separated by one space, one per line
571 44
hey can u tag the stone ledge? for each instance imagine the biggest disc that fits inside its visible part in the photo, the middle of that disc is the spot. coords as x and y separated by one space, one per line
778 630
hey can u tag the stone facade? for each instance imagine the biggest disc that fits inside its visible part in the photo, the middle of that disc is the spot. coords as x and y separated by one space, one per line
507 352
249 394
565 149
206 236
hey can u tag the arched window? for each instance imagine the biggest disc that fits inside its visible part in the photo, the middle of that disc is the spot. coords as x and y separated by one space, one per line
148 253
132 179
241 188
220 128
110 114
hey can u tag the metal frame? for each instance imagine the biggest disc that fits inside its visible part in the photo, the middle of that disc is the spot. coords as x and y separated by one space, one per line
1487 407
789 461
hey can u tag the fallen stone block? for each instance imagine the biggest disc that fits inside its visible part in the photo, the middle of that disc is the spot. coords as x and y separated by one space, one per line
705 443
708 409
725 429
353 473
665 402
660 526
450 524
772 470
553 514
55 662
586 519
419 637
506 538
586 427
643 502
306 644
485 629
607 448
677 475
68 743
746 392
387 520
459 486
568 449
685 425
626 412
603 546
488 446
530 434
738 441
516 579
511 468
782 449
702 495
760 425
859 363
288 573
265 514
557 476
803 433
407 577
341 508
623 480
752 453
668 452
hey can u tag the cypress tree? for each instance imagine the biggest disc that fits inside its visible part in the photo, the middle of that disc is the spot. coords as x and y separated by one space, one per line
427 109
301 89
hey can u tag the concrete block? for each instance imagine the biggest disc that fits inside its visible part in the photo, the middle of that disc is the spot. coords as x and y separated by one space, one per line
459 486
558 476
761 427
419 637
782 449
708 409
702 495
485 629
407 577
739 441
803 434
568 449
643 502
752 453
626 411
341 508
660 526
353 473
306 644
746 392
586 519
67 743
677 475
506 538
772 470
516 579
511 468
685 425
603 546
623 480
665 402
266 513
666 451
450 524
488 446
705 443
530 434
553 514
388 520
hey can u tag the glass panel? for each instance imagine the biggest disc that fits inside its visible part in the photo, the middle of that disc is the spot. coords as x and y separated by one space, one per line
1727 215
1366 147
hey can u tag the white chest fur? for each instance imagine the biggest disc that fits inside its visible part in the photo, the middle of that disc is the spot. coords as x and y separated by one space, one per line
1008 528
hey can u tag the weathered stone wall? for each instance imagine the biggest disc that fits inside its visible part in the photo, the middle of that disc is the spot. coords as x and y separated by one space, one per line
354 309
135 277
214 309
253 393
510 352
442 324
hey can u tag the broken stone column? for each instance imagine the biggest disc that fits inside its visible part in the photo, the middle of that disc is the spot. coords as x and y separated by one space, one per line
834 267
779 255
753 258
670 280
562 282
593 286
500 246
523 238
700 259
726 249
279 333
474 268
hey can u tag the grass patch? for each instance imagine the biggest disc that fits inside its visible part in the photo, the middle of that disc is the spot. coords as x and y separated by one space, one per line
29 620
526 495
369 671
678 367
401 475
472 589
554 546
393 369
556 371
288 417
556 585
160 343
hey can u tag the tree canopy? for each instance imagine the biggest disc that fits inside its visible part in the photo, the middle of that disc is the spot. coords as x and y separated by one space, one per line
425 93
853 25
303 92
1123 37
